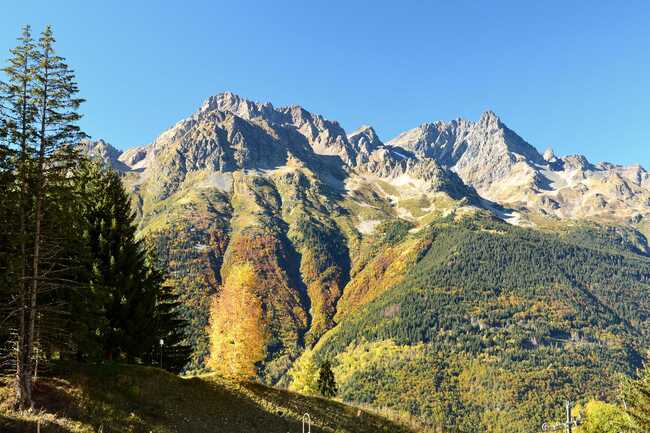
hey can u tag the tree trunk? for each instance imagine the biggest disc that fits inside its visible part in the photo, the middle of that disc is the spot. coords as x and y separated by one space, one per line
38 215
23 361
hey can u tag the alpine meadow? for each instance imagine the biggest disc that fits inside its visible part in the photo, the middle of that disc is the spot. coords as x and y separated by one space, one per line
258 268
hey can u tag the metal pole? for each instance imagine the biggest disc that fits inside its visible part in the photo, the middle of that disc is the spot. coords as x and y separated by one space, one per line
162 344
306 418
568 424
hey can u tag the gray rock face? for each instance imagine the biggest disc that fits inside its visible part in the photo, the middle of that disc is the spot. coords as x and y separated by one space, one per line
506 169
365 141
481 153
325 137
103 151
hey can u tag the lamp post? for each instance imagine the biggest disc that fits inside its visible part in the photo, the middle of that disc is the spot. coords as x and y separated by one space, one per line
162 343
567 425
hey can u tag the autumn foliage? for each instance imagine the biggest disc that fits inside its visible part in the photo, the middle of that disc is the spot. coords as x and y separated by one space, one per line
237 331
258 313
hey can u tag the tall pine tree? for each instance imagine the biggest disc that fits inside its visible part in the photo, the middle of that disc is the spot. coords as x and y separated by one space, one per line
87 286
170 328
18 130
8 250
74 306
39 111
326 382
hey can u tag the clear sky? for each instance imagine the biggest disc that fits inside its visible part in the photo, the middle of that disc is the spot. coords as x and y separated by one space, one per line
574 75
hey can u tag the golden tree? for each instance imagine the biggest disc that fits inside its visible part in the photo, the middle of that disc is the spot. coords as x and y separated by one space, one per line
304 374
237 331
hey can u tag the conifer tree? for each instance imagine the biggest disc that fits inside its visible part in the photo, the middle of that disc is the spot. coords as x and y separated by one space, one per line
169 327
39 115
326 382
8 252
18 131
123 270
81 302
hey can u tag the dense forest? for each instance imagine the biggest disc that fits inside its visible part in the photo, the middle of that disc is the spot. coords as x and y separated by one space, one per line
75 280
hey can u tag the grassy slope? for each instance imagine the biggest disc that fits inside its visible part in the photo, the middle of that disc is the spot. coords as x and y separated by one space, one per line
81 398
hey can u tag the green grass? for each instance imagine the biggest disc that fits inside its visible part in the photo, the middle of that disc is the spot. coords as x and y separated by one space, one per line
83 398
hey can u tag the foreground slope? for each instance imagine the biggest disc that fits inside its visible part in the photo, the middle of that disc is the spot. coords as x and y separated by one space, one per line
119 398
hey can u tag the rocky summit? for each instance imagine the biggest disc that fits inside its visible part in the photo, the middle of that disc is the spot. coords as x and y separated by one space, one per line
483 159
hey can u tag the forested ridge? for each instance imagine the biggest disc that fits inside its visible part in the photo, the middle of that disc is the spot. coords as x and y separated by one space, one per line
494 327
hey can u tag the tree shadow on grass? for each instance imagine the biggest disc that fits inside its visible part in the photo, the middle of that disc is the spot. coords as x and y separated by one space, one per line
325 413
13 425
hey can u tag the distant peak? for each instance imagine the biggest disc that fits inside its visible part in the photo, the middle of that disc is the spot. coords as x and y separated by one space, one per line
549 155
364 129
365 139
489 117
232 103
99 145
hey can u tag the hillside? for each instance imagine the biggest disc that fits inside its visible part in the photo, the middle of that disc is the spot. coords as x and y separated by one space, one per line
78 398
491 327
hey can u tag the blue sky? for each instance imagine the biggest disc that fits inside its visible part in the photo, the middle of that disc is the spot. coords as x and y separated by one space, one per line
574 75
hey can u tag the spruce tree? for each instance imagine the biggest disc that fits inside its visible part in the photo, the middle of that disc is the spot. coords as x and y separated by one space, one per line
125 303
326 382
39 115
121 267
76 305
8 246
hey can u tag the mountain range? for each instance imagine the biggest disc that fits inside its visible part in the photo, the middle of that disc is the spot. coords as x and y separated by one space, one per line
486 155
454 272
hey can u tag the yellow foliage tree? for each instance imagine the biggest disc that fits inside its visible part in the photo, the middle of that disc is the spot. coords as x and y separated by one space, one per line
237 331
601 417
304 374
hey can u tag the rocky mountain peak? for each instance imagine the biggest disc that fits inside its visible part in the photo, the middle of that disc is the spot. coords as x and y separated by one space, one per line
231 103
480 152
326 137
101 150
365 140
490 119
